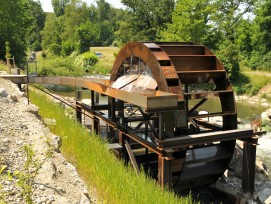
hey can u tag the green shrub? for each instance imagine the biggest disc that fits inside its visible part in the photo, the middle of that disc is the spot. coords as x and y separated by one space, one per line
265 64
67 48
58 66
55 49
86 61
36 46
43 55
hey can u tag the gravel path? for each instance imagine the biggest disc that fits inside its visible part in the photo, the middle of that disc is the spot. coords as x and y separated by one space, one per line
56 181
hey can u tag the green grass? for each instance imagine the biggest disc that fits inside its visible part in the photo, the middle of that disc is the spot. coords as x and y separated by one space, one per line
106 62
66 66
114 182
250 83
3 66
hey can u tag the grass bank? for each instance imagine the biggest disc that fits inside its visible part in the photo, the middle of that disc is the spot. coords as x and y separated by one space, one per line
114 182
251 82
106 62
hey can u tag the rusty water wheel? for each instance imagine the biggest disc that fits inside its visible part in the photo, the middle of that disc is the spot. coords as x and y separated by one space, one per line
197 76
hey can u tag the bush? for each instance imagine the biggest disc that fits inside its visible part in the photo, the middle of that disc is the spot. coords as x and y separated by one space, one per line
58 66
55 49
36 46
43 55
67 48
265 64
86 61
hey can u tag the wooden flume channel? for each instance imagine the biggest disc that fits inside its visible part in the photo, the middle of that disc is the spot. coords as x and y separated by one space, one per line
155 123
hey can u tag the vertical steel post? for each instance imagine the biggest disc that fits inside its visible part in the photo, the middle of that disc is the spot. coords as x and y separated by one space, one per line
249 159
78 97
146 138
78 112
95 126
97 98
161 125
112 116
164 172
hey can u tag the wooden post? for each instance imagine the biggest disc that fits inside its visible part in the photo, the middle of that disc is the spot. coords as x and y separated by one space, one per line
8 65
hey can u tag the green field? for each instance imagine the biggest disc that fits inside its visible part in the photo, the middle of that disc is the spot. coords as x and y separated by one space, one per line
106 62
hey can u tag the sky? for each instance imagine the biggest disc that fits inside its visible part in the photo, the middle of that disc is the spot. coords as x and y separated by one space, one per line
47 6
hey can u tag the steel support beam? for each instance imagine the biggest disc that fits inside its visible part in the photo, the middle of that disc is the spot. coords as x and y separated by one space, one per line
164 172
183 141
249 159
78 112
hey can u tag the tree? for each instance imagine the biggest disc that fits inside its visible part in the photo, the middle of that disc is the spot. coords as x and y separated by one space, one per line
59 6
87 34
51 32
103 10
145 19
36 24
243 39
189 22
13 28
262 36
229 15
76 13
227 19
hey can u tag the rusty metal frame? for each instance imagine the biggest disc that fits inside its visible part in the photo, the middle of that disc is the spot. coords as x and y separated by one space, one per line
202 138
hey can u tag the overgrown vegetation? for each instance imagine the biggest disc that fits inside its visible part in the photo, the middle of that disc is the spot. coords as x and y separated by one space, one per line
76 64
250 83
115 183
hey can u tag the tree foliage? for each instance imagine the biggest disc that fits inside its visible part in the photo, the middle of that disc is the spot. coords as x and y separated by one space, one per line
262 34
190 22
51 32
13 28
59 6
144 19
36 24
20 24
